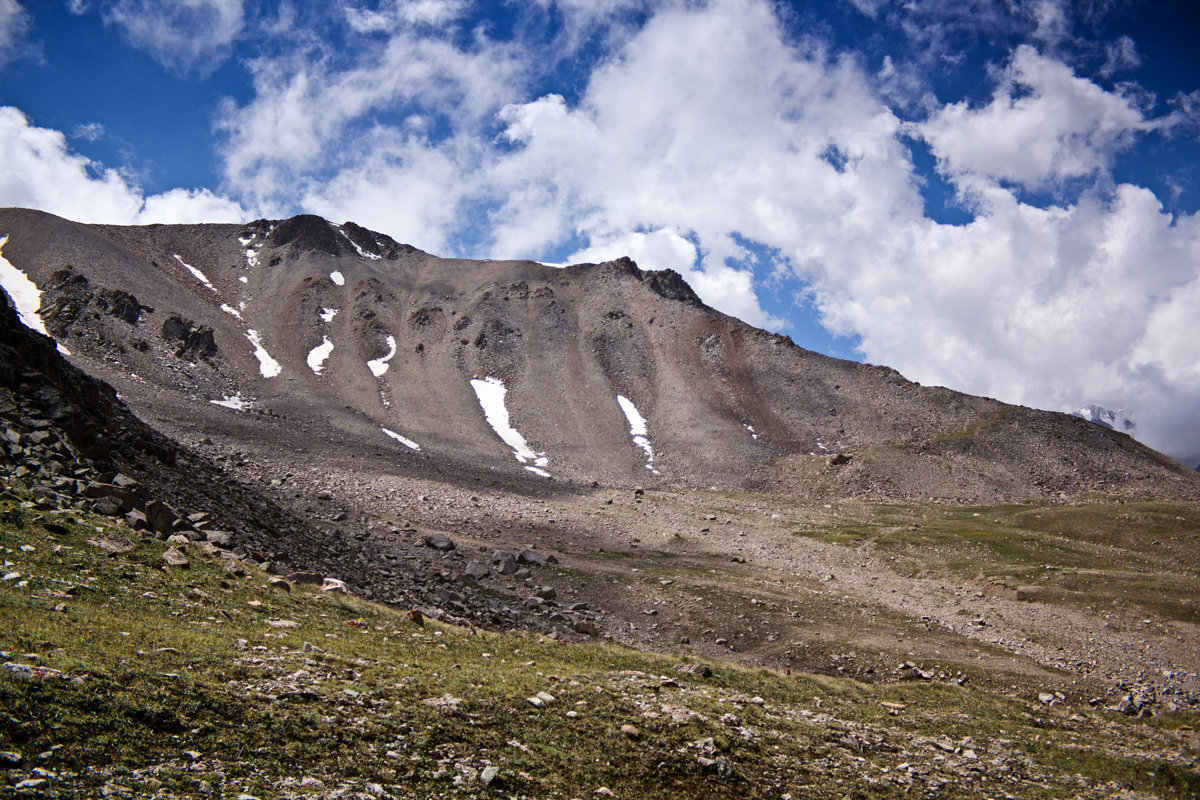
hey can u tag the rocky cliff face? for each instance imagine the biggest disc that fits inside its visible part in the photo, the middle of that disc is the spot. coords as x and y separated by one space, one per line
338 342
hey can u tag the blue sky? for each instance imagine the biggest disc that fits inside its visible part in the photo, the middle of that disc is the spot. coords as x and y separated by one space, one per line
999 196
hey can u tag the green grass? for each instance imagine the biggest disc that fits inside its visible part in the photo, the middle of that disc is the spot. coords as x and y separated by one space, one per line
191 683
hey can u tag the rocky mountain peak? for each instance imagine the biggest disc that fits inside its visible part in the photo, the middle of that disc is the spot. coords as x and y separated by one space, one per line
307 232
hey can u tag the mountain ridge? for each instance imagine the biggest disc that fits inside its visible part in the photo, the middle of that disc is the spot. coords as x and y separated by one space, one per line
725 404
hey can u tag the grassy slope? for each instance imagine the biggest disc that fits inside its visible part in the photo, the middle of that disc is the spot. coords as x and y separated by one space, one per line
186 683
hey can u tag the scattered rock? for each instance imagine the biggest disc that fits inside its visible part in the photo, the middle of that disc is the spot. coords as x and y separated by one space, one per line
694 669
175 558
440 542
447 702
219 538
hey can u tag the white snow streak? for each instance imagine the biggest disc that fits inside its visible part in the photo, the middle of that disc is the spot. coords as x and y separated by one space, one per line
379 366
638 430
338 278
361 252
200 276
327 314
228 309
317 356
491 392
233 401
406 442
251 258
268 366
245 240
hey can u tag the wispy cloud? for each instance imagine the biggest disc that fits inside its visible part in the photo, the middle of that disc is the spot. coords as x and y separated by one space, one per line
14 26
91 132
183 35
390 16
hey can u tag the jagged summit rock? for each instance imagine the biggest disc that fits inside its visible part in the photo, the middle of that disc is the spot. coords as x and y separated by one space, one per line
339 342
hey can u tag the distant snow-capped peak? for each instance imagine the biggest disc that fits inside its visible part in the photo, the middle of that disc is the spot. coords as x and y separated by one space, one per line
1108 417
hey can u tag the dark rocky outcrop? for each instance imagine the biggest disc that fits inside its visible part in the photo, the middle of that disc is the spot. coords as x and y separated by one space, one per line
195 341
307 232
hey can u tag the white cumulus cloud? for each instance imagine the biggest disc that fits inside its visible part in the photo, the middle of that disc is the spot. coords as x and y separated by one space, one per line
1044 124
40 171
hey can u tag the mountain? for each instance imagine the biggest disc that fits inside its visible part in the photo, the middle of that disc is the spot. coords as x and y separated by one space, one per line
332 341
1115 419
588 453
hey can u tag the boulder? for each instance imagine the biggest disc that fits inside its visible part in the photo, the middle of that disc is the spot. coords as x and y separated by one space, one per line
174 557
440 542
532 558
160 517
219 538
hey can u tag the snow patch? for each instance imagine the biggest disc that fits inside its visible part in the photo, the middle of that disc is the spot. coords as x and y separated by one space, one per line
245 240
406 442
490 392
379 366
361 252
327 314
317 356
228 309
200 276
243 279
638 430
233 401
338 278
251 257
268 366
753 433
25 294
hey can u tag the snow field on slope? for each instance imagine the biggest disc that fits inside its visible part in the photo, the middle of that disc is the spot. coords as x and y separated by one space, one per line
25 294
233 401
361 252
638 430
379 366
406 442
338 278
490 392
200 276
317 356
268 366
